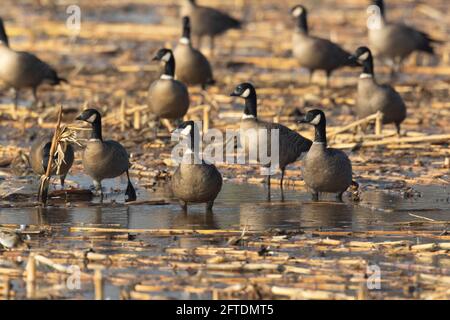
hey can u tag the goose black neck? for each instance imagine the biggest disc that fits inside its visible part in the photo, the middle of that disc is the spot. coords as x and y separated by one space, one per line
251 105
187 31
169 68
368 64
380 4
302 23
321 132
97 129
3 35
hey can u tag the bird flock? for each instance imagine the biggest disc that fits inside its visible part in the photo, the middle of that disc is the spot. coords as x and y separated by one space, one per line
324 169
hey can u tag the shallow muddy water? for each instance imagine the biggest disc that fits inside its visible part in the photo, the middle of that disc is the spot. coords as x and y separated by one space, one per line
239 205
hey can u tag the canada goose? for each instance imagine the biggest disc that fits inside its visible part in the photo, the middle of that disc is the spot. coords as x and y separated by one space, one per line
315 53
373 97
207 21
192 66
324 169
104 159
396 41
19 69
168 98
195 181
292 146
39 156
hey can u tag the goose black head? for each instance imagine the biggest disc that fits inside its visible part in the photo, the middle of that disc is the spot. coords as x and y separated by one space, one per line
244 90
317 118
93 117
163 55
3 36
166 55
379 4
314 117
299 12
89 115
363 55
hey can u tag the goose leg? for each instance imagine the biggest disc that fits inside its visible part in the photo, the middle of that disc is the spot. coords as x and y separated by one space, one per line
35 98
315 196
397 126
16 99
62 179
339 197
183 205
327 79
98 189
211 46
209 205
130 192
268 187
311 72
281 184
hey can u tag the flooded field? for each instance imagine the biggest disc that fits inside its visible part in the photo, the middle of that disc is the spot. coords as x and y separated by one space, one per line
387 240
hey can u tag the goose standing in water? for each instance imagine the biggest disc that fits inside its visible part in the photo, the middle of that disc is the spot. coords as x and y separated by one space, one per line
104 159
292 146
195 181
325 169
373 97
21 70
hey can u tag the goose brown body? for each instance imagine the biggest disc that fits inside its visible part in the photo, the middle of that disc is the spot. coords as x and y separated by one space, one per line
192 66
168 98
39 158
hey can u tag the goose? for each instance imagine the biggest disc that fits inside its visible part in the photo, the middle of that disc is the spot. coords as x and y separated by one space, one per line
168 98
314 53
292 146
324 169
20 69
39 156
104 159
373 97
195 181
207 21
192 66
396 41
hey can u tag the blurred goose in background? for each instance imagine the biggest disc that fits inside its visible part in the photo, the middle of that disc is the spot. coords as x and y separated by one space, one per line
373 97
396 41
39 156
324 169
192 66
168 98
104 159
20 70
195 181
292 146
314 53
207 21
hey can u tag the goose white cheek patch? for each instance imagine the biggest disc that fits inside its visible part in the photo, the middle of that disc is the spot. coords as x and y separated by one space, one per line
364 56
186 131
92 118
246 93
166 57
297 11
316 120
